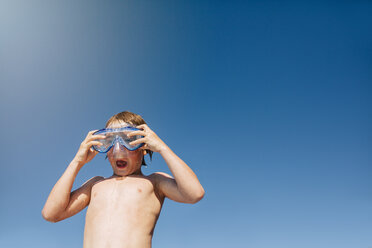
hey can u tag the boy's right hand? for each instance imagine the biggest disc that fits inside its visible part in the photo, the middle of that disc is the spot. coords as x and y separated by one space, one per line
86 153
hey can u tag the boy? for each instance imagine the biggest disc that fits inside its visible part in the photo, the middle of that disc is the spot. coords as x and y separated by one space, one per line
124 208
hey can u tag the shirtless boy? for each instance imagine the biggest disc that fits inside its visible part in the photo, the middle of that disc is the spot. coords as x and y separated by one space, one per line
124 208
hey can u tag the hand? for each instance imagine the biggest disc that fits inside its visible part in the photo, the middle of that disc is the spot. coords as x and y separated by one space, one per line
151 140
86 153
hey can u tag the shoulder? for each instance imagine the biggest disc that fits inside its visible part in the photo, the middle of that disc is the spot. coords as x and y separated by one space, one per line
96 179
92 181
160 176
160 180
86 187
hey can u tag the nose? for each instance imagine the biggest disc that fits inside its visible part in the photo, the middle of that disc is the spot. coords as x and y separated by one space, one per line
118 148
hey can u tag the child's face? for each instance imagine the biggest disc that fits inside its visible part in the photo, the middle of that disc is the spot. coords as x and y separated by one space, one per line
123 161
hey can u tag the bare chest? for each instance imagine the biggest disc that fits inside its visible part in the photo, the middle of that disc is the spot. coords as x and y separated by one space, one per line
126 197
121 212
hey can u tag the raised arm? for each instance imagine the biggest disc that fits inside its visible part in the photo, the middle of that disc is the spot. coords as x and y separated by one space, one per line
63 203
185 186
79 199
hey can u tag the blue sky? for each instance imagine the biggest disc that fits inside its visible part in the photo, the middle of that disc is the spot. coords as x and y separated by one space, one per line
268 102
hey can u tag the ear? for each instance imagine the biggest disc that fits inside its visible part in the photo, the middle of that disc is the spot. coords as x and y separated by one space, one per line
144 152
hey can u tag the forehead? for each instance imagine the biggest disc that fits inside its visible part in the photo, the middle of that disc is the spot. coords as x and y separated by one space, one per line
118 124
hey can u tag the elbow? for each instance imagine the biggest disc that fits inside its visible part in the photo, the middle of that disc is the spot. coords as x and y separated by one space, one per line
48 217
198 196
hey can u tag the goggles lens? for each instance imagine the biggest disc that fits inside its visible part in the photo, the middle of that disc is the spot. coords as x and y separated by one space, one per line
114 135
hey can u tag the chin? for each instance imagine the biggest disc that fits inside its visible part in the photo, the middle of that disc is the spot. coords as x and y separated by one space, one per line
125 171
122 174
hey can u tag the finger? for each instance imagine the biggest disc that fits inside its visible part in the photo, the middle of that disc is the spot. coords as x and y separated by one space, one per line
143 126
94 143
93 137
92 150
136 142
136 133
90 133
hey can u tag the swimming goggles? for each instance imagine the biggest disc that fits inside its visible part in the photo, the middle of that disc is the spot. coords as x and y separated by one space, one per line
114 135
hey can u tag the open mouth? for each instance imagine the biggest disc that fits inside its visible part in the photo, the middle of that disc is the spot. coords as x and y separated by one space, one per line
121 164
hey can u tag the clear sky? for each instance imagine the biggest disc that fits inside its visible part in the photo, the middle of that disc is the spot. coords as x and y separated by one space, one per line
269 102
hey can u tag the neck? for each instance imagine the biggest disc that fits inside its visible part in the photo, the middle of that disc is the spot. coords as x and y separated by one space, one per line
137 173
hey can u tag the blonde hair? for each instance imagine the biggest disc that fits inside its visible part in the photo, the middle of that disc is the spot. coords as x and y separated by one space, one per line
132 119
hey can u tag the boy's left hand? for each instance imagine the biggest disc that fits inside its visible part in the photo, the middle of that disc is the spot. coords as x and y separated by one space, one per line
151 140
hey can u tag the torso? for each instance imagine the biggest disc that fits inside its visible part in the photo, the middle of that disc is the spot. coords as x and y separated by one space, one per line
122 213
